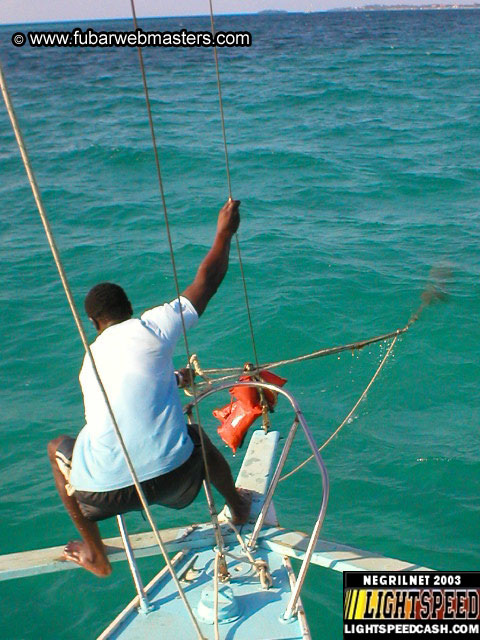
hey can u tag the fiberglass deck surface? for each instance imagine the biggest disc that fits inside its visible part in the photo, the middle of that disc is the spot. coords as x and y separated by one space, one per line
260 611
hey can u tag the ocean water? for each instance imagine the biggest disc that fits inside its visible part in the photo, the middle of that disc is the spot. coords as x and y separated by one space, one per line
354 144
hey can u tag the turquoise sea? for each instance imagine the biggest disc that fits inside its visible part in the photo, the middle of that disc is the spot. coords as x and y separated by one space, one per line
354 144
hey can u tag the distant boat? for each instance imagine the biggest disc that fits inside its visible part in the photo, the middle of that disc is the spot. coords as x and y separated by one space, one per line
273 11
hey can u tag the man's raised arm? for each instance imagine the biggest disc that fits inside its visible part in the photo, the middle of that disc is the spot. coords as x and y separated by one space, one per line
214 266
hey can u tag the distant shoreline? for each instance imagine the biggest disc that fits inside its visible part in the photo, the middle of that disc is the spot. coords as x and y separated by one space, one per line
271 12
408 7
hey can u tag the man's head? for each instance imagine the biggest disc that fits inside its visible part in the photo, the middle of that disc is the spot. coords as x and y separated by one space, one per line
107 303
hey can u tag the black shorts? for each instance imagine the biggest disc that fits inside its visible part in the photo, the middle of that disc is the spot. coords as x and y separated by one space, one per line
175 489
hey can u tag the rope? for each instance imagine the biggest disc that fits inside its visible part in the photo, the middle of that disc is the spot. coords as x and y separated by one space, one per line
332 350
234 372
210 501
349 415
229 184
220 101
431 293
241 542
83 336
260 566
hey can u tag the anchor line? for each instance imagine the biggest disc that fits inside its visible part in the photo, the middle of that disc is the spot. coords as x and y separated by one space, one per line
233 372
348 416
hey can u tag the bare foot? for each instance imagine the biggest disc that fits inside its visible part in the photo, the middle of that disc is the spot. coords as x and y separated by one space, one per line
77 551
241 511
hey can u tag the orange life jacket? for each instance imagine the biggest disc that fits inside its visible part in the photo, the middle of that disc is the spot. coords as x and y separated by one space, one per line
244 408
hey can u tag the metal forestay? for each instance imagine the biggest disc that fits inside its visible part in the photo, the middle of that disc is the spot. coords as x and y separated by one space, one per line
83 336
207 484
229 184
263 401
245 292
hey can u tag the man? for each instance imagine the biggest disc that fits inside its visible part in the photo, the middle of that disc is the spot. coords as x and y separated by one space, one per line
134 360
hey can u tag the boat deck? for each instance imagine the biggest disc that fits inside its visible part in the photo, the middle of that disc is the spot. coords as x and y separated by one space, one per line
258 616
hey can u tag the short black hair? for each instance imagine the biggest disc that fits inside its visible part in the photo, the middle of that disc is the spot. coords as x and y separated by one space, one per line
108 301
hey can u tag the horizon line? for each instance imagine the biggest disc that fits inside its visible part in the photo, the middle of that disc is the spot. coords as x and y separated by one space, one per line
246 13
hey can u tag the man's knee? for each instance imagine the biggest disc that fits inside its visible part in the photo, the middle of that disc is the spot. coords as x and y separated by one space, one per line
206 437
53 446
211 451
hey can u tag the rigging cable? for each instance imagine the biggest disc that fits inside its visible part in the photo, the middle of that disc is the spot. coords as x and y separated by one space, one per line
83 336
227 166
207 484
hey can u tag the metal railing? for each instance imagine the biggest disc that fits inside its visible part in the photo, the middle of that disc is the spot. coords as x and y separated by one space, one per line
132 563
299 419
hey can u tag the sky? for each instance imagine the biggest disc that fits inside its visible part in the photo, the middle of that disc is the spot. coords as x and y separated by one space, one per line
15 12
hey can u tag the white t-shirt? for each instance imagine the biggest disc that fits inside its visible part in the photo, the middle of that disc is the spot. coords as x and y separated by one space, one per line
134 360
